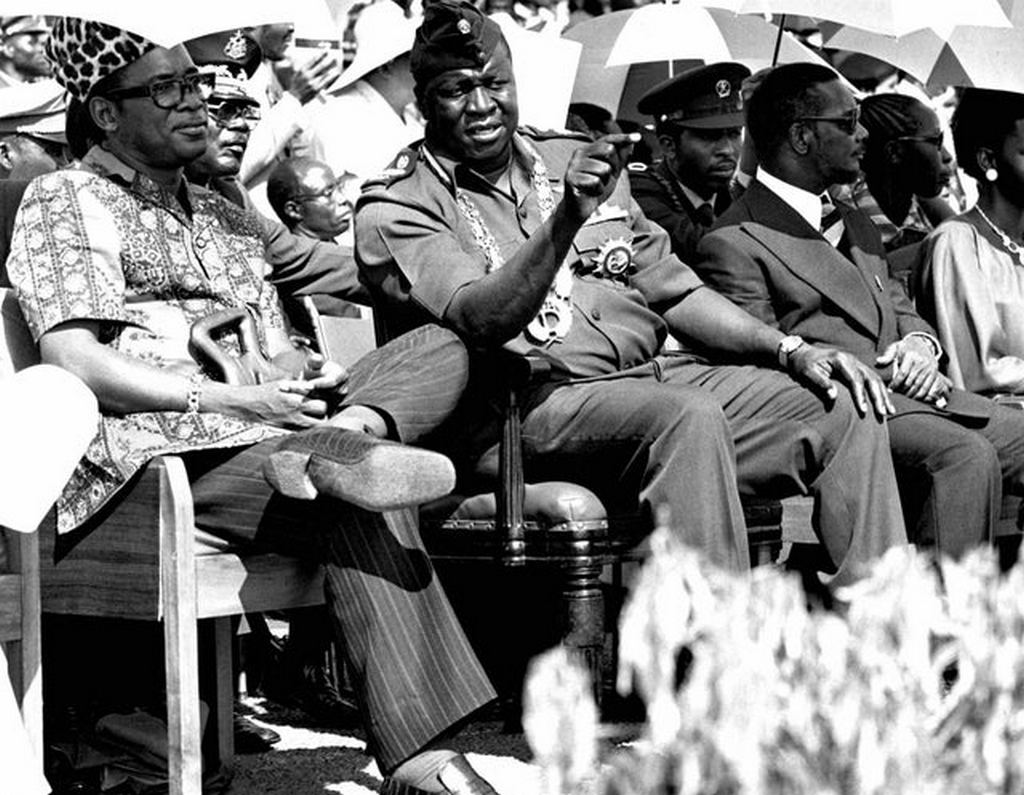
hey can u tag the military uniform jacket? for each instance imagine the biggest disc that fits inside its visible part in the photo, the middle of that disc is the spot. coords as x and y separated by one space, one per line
657 191
415 250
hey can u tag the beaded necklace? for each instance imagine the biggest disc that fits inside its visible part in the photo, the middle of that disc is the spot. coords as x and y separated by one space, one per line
554 319
1008 243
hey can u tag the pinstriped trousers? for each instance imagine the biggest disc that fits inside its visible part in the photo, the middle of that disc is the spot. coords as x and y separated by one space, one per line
412 667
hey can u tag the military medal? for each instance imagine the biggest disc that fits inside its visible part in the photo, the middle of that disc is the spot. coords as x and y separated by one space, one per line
614 257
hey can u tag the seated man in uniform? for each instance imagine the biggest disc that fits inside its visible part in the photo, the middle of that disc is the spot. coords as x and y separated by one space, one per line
698 117
819 274
114 262
530 240
230 58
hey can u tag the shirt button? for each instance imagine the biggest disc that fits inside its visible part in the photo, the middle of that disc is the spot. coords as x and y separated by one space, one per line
595 313
522 212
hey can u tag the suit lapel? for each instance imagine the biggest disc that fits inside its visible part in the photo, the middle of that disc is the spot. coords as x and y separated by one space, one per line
803 251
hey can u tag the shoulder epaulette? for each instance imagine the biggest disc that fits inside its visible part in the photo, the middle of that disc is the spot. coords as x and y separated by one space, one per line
401 167
533 132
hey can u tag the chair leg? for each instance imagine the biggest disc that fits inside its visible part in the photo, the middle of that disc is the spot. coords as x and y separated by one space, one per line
181 656
224 691
26 654
583 605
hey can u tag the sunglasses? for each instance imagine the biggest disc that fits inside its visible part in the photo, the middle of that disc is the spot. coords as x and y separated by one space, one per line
168 94
847 122
226 112
338 186
935 139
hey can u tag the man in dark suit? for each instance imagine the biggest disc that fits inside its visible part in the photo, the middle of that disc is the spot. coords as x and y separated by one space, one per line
819 275
698 117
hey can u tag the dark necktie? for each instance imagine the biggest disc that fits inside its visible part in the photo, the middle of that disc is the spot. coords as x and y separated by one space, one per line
832 226
705 214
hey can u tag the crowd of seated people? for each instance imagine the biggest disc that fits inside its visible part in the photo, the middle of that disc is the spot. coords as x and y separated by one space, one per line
719 315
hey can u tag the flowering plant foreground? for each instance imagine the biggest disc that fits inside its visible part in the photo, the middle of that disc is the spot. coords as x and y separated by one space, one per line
914 687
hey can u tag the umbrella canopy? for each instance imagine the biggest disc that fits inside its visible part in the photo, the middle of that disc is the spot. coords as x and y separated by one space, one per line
627 52
970 55
891 17
171 23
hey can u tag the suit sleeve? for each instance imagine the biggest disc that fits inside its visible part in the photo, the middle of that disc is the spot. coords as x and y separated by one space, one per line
725 266
304 266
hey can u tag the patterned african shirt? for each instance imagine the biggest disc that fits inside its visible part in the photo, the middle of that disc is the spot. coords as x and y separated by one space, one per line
105 243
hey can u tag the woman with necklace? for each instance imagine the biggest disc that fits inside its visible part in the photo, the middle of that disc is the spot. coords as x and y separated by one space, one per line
972 279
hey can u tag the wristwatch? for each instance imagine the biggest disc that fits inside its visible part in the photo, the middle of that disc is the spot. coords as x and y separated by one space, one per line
787 346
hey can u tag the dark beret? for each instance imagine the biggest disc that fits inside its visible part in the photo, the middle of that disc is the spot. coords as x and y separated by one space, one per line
707 97
453 35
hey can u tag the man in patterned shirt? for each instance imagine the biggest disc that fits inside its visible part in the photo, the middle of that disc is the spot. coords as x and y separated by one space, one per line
115 261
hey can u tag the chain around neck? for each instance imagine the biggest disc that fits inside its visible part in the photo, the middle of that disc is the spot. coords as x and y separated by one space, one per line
1008 243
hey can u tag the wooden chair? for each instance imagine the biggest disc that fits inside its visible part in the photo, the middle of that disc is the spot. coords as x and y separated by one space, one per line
20 629
143 563
559 525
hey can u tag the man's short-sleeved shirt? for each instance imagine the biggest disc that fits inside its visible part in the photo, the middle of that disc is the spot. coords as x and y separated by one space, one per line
416 249
105 243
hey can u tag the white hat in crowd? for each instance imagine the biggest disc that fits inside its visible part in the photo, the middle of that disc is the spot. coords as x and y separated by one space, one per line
382 33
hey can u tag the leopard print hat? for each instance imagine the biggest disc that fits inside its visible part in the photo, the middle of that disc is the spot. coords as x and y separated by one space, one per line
83 52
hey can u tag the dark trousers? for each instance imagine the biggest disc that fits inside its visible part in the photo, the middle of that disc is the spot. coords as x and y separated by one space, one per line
413 670
958 471
695 437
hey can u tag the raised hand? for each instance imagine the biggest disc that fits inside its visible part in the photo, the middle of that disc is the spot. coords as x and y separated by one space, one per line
593 171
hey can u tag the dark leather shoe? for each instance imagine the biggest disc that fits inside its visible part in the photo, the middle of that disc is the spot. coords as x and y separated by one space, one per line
459 778
361 469
250 738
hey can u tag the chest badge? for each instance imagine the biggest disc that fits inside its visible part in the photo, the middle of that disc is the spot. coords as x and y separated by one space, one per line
614 257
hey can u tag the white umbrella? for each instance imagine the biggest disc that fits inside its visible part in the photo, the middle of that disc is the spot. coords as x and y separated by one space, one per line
969 55
626 52
891 17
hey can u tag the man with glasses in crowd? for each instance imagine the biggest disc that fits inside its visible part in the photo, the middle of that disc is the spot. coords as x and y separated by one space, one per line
297 265
817 272
310 200
116 261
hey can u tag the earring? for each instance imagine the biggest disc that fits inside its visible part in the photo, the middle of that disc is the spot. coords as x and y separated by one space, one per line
991 174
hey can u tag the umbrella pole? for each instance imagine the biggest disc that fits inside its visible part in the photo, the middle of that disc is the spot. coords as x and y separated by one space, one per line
778 39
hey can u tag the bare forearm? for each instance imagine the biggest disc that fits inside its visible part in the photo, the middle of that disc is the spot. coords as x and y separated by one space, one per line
498 306
122 385
716 322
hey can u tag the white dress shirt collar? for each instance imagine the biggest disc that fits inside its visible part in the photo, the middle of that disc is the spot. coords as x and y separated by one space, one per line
807 204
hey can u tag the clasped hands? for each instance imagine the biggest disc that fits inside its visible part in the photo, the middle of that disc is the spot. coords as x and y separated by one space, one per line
915 373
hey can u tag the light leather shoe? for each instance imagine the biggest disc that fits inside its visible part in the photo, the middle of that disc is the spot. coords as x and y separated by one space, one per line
459 778
456 776
375 474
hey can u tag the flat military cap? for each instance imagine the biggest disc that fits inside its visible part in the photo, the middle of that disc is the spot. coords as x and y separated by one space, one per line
454 35
232 57
12 26
707 97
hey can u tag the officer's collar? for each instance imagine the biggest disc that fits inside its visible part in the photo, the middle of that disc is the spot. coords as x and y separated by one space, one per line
453 172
